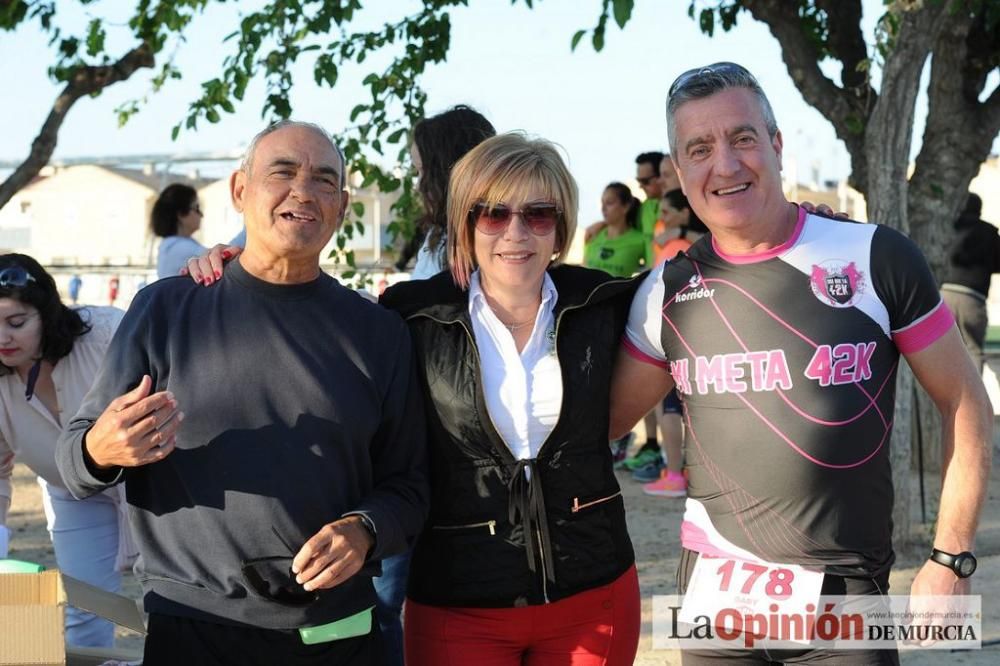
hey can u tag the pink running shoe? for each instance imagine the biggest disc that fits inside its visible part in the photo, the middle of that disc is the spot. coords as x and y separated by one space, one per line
670 484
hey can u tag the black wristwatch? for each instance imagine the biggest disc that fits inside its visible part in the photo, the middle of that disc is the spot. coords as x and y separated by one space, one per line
964 564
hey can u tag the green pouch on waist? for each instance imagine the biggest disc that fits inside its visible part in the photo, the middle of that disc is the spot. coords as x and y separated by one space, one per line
19 566
351 626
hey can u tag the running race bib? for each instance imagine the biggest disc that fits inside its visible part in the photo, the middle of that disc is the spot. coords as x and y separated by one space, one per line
724 589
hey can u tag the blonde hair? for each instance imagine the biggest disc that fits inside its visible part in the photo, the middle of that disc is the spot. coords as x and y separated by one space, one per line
493 171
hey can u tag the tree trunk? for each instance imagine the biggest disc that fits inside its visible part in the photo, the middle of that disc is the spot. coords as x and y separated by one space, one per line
957 139
900 452
889 135
84 81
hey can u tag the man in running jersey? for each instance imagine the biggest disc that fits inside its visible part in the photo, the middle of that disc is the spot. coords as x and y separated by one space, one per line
783 332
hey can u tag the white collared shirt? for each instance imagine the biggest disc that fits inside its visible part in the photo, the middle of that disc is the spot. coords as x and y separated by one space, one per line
523 390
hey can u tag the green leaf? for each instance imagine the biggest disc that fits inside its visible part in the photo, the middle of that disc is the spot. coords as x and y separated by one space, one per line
358 208
706 21
576 39
598 39
95 37
356 111
622 11
396 136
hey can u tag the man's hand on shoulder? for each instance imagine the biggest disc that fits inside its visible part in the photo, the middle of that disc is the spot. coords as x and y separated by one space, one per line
334 554
824 211
136 429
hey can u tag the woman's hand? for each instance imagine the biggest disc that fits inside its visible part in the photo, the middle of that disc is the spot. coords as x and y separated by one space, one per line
207 268
823 211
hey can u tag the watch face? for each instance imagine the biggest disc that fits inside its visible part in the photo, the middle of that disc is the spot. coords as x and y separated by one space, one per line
965 565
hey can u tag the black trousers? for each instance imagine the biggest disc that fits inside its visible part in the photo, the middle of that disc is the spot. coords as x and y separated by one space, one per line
181 641
832 585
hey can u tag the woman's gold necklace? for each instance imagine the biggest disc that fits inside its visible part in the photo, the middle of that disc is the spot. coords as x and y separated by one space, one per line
514 327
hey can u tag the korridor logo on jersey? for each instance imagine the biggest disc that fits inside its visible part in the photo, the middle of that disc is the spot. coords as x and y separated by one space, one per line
837 283
694 290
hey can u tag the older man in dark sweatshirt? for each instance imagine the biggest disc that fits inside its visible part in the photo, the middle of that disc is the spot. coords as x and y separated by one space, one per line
268 433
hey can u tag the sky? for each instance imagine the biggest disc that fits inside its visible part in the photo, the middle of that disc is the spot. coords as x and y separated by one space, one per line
512 64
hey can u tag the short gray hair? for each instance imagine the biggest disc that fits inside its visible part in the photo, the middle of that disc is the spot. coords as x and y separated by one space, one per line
251 150
705 81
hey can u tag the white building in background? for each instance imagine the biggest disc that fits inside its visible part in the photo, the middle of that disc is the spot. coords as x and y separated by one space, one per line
98 216
85 215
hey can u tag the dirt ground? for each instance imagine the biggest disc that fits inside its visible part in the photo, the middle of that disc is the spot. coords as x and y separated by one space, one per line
654 524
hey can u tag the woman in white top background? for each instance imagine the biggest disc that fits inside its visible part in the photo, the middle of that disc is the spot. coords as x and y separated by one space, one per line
49 357
176 216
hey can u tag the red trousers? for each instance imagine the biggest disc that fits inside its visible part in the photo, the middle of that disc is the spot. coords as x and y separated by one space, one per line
599 627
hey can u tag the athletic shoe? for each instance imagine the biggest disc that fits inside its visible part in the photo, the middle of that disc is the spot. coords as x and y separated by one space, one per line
643 458
619 449
666 486
649 472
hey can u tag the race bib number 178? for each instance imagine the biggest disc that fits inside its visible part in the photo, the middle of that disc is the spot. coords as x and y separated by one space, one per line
721 587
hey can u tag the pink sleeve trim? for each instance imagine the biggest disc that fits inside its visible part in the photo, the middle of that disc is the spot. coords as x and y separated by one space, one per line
632 350
924 331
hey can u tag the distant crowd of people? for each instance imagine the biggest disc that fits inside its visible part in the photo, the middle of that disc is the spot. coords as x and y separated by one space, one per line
299 475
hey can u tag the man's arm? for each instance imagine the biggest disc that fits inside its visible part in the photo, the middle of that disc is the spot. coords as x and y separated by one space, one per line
636 387
948 375
121 422
640 378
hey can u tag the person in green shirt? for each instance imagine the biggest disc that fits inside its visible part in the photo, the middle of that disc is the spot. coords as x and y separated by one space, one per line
619 248
647 172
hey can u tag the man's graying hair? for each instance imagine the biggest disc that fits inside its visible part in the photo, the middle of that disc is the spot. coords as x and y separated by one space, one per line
251 151
705 81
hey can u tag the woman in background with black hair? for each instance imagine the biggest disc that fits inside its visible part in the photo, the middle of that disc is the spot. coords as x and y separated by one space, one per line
619 248
176 216
439 142
678 227
49 357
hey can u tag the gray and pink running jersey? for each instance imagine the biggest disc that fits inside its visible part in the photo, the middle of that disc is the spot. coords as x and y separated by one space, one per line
786 363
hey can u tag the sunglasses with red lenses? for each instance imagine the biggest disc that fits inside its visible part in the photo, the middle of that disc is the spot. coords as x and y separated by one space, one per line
540 218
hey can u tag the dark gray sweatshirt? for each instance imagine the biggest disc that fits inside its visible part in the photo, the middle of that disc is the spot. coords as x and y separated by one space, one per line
300 406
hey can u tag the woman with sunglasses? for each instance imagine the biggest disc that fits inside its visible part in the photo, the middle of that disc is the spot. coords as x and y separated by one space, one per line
619 248
526 557
49 357
176 216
